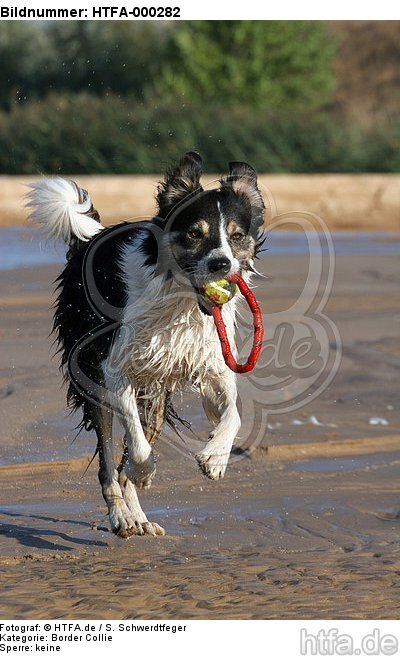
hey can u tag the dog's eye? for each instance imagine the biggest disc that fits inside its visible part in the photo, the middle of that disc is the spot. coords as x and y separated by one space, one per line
237 236
195 234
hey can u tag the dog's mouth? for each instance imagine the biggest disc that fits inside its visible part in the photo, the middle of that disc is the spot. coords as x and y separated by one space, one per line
215 292
202 285
204 305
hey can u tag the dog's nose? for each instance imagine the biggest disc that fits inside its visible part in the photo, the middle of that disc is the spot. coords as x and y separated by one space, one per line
219 265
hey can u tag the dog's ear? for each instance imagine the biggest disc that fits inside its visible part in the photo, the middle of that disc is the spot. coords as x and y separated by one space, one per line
242 180
180 182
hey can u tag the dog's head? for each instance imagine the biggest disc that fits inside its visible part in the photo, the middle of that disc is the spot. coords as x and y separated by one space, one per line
210 234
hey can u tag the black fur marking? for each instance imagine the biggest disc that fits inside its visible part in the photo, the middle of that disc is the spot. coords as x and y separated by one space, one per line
242 180
75 316
261 239
179 182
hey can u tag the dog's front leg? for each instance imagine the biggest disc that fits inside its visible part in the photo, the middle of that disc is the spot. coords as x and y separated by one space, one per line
219 400
140 465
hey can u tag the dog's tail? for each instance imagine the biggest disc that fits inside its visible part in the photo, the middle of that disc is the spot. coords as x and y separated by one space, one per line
64 210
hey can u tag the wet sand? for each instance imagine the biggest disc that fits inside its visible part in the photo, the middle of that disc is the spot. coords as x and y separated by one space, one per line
304 525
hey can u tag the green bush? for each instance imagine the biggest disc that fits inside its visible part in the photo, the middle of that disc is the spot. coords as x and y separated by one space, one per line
83 133
266 65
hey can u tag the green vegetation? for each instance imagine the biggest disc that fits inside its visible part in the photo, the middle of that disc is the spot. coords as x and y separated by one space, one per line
272 66
122 97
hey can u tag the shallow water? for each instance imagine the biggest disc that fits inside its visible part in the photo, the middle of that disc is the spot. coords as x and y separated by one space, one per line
52 439
26 247
341 464
344 243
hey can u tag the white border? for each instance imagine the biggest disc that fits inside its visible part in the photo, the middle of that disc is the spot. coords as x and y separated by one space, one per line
227 10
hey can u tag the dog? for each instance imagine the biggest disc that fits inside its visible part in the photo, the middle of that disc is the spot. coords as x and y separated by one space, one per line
132 325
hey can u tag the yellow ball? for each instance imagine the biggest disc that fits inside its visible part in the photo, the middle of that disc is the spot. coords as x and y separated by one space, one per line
219 291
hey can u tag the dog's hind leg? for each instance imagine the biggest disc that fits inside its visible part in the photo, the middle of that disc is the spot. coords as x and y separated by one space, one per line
122 521
219 401
152 413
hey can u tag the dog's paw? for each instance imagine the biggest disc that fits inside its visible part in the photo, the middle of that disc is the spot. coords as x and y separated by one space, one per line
151 528
213 465
125 524
122 521
141 473
125 533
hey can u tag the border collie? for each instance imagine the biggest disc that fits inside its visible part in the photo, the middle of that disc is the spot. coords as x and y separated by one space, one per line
132 326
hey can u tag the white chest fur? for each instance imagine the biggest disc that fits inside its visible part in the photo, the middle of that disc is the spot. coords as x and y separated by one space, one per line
171 340
165 339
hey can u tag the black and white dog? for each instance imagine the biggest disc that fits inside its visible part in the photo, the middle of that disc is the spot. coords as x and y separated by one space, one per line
132 326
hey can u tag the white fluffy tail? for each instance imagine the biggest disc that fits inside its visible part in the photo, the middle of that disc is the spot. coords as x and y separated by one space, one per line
64 209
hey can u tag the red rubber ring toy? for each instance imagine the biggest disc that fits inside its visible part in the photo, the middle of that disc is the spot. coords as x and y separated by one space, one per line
258 329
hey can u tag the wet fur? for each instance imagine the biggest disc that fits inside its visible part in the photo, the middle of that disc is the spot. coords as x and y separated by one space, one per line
146 331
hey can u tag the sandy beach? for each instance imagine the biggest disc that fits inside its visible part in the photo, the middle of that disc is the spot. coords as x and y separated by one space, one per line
344 201
305 523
